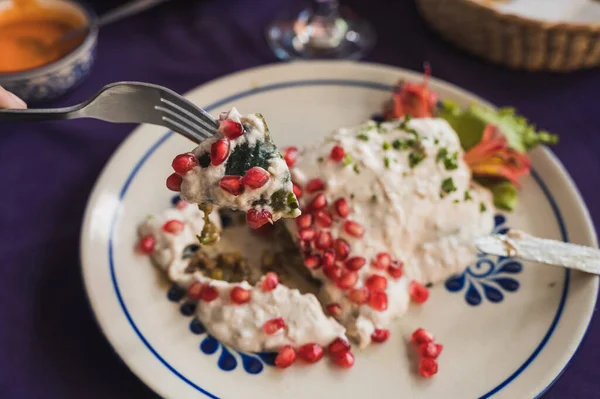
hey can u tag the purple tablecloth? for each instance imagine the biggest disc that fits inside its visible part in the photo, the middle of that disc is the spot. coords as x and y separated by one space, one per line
50 345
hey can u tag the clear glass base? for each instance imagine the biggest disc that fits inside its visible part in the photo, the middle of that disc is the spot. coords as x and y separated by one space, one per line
312 36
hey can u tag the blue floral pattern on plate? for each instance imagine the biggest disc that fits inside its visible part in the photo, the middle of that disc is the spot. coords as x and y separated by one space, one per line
489 276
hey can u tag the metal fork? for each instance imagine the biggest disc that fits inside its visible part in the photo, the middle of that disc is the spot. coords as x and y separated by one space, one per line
131 102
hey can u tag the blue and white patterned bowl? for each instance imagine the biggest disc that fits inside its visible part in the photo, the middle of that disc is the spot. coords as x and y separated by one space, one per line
57 78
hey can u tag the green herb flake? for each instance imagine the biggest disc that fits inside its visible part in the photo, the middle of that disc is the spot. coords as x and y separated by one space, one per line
442 154
399 145
347 160
279 200
451 163
320 159
363 137
386 162
482 207
415 158
386 146
149 217
468 195
355 168
373 198
436 141
455 201
448 186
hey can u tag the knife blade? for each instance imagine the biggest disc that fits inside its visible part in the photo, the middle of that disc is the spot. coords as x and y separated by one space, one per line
518 244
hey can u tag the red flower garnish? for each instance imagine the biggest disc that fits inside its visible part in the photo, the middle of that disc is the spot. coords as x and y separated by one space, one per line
492 157
413 99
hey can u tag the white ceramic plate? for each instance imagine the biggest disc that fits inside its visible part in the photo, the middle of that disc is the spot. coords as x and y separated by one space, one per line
508 329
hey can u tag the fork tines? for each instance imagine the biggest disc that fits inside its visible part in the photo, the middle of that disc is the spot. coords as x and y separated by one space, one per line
181 115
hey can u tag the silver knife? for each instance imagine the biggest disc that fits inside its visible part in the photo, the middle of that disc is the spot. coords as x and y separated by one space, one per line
521 245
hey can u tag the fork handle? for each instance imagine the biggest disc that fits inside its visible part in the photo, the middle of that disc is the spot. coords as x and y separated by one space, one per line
49 114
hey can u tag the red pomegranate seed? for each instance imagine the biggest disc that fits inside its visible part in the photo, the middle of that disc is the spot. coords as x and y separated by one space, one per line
428 367
286 357
231 129
173 226
378 300
146 244
183 163
376 283
256 218
312 261
318 202
395 269
255 177
328 258
323 219
382 261
338 346
219 150
342 248
315 185
239 295
344 359
194 291
358 295
341 207
310 353
272 326
421 336
355 263
307 234
290 154
270 282
208 293
304 221
324 240
334 309
354 229
380 335
232 184
418 292
430 350
297 190
174 182
347 280
337 153
334 272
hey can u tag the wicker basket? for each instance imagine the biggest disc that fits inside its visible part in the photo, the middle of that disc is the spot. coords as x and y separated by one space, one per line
512 41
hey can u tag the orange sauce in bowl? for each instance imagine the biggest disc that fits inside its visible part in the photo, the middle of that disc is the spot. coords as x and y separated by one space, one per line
26 25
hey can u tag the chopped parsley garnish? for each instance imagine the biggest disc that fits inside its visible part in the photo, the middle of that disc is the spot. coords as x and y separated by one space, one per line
399 145
442 154
468 195
436 141
363 137
455 201
374 198
415 158
450 161
355 168
386 146
386 162
347 160
448 186
482 207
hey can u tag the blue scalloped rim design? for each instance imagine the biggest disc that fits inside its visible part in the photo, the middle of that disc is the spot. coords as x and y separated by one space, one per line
304 83
488 275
